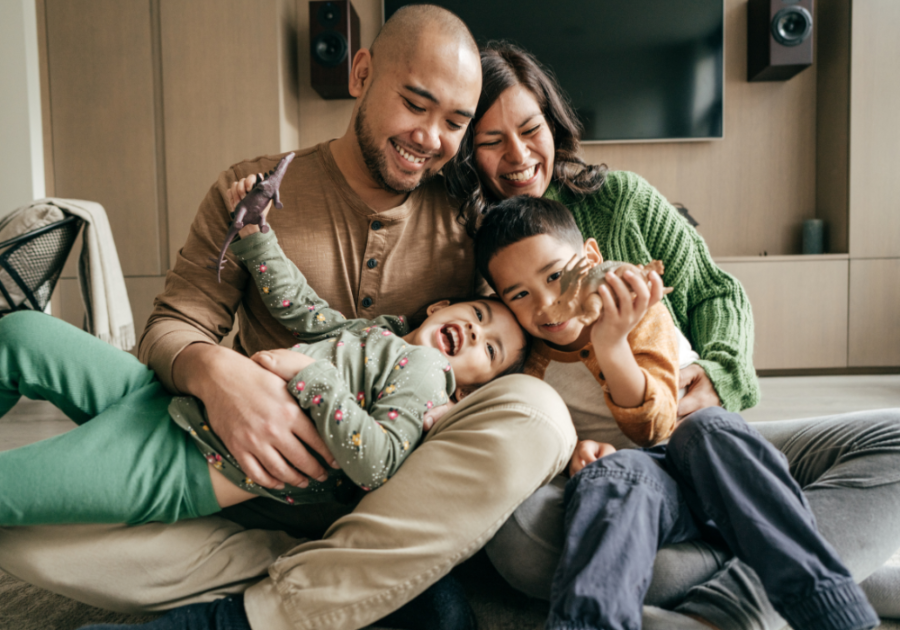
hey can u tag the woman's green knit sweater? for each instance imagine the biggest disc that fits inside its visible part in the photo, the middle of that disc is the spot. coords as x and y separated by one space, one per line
633 222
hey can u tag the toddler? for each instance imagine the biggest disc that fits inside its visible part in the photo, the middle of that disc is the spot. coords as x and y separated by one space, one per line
365 384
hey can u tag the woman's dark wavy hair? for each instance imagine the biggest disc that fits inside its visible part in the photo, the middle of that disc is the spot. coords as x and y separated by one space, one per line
505 65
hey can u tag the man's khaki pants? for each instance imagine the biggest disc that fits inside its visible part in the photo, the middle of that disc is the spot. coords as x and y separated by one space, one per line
479 462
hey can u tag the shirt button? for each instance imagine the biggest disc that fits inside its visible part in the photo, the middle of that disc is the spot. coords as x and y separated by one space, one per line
585 354
372 263
367 302
376 225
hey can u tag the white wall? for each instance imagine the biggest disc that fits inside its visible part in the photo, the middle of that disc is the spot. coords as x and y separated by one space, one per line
21 140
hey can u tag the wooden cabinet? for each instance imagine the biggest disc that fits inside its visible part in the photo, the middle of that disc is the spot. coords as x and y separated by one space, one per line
146 102
874 312
799 309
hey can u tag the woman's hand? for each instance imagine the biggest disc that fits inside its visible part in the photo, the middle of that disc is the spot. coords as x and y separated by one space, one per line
700 391
436 414
587 451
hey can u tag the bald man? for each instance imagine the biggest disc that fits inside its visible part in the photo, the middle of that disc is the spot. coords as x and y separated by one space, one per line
371 227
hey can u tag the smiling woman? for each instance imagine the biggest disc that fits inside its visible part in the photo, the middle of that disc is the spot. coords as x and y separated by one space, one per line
507 151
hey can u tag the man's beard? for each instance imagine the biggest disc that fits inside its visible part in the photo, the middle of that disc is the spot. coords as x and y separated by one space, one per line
375 160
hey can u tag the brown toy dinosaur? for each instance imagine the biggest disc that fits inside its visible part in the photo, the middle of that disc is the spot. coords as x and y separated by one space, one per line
579 283
251 209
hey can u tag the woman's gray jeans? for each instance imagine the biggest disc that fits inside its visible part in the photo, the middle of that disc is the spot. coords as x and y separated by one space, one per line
849 468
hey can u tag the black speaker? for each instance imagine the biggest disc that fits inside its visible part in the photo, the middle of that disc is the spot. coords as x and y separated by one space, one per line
779 38
334 39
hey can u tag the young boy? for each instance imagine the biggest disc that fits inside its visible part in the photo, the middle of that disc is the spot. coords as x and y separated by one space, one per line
717 477
366 385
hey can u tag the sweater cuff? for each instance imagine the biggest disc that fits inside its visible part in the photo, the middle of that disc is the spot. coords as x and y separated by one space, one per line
735 394
254 245
165 350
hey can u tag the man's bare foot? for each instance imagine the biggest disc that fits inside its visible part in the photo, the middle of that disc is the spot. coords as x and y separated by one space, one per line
282 362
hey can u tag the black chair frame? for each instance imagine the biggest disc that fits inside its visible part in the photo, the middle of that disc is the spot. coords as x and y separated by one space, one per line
34 261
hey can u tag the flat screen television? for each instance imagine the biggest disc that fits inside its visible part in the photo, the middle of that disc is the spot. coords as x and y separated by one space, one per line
635 70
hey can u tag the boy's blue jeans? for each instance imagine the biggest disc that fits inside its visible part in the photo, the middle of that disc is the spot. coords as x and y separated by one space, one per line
717 478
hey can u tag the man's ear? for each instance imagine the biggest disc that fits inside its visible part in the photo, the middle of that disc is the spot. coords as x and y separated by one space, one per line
592 251
434 308
360 72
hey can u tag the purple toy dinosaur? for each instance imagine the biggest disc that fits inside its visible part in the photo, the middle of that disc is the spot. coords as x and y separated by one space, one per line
250 208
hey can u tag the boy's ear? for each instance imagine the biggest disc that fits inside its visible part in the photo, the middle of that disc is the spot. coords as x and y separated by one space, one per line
592 251
463 391
434 308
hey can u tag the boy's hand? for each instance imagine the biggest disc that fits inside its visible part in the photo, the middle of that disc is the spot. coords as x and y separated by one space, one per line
625 302
587 451
283 362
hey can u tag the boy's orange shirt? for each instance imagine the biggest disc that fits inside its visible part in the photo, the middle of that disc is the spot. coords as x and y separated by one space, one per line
655 346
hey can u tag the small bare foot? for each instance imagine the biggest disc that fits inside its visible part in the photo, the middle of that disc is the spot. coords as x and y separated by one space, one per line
282 362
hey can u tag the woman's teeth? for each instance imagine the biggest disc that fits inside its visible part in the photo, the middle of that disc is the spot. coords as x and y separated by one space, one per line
521 176
406 155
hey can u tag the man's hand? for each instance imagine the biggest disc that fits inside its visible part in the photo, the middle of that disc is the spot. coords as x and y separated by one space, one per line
587 451
252 412
700 391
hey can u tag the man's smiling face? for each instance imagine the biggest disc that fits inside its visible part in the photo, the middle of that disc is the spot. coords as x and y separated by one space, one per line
414 112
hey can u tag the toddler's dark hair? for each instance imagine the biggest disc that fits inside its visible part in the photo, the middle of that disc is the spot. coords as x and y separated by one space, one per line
517 218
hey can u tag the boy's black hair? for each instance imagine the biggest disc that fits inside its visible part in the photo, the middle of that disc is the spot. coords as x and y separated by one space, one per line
517 218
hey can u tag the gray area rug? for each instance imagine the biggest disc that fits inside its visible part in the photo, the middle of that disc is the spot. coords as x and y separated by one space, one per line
497 606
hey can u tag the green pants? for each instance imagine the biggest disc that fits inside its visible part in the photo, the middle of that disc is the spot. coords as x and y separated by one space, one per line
126 462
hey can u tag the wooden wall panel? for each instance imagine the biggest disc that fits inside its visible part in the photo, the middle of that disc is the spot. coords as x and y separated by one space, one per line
220 88
833 120
799 310
100 85
875 130
874 312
